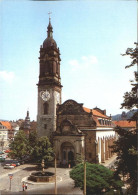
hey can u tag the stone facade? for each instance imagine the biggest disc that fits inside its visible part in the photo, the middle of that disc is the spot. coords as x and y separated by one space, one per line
5 127
77 132
49 85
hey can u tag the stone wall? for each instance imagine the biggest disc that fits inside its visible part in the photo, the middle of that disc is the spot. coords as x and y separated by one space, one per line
46 122
90 146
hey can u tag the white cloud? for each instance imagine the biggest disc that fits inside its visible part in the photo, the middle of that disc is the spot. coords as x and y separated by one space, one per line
74 64
89 60
85 61
7 76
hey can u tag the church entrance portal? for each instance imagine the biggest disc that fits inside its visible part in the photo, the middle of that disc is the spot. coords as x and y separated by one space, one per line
67 154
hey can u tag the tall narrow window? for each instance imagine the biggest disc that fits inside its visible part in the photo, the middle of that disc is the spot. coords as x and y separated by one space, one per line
64 155
46 106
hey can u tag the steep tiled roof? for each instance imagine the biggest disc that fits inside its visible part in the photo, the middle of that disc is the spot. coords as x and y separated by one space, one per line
95 112
125 123
6 124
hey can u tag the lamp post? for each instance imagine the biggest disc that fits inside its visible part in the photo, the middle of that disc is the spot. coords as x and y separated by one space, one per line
84 192
84 177
55 175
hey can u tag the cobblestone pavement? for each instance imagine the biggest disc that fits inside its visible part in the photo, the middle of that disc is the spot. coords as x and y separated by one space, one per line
65 185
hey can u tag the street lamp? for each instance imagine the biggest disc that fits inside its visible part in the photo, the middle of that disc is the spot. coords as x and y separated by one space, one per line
84 177
55 175
84 165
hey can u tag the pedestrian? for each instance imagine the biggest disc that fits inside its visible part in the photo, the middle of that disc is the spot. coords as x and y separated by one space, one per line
23 186
26 186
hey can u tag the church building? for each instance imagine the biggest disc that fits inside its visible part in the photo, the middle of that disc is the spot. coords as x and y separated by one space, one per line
77 132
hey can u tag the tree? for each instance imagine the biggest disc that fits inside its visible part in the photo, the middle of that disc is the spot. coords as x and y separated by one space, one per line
33 139
126 145
32 143
131 98
33 147
19 147
99 179
43 150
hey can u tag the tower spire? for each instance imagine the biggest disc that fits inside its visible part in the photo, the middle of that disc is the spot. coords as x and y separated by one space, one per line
49 16
50 28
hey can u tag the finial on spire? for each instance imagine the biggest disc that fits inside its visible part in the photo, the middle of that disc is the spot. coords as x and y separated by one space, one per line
49 28
49 16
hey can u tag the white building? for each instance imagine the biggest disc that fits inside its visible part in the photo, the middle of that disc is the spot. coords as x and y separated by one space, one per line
3 136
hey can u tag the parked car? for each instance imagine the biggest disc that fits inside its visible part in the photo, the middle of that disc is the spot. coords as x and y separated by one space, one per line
16 162
4 155
12 164
7 151
2 159
8 166
22 162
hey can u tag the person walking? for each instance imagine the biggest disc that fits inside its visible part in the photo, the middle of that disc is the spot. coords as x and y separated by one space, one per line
26 186
23 186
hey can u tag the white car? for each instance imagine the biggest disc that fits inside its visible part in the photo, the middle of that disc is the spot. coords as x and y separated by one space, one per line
8 166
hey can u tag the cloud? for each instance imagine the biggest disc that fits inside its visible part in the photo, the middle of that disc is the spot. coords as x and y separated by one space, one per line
85 61
89 60
74 63
7 76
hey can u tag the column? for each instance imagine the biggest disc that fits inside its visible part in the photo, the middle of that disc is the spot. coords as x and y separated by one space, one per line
99 154
112 140
102 150
109 147
96 151
106 149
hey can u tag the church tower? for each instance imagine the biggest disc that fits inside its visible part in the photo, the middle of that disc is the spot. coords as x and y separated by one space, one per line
27 125
49 85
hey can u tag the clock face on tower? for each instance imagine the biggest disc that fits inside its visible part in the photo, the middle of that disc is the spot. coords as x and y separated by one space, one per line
45 95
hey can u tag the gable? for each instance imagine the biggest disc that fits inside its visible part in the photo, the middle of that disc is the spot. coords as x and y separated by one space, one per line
70 107
66 127
6 124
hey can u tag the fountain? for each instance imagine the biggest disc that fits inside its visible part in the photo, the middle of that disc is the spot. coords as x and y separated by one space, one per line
42 176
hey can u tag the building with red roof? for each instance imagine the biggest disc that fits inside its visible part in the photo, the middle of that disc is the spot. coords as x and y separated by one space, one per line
83 131
76 131
4 129
125 124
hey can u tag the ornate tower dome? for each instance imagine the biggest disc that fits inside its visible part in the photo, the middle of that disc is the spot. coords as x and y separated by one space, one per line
49 60
49 41
49 85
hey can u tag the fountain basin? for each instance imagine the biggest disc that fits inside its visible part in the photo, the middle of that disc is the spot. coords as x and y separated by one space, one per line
42 176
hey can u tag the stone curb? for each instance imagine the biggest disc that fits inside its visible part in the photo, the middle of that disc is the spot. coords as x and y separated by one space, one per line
25 179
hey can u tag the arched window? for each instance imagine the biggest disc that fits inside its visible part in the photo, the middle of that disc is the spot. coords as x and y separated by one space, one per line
46 106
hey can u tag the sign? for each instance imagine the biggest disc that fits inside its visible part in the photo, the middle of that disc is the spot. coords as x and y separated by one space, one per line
10 176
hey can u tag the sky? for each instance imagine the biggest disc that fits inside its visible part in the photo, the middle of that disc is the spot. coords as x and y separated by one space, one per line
91 36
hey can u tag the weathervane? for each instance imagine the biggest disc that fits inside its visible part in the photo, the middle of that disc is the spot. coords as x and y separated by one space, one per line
49 15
